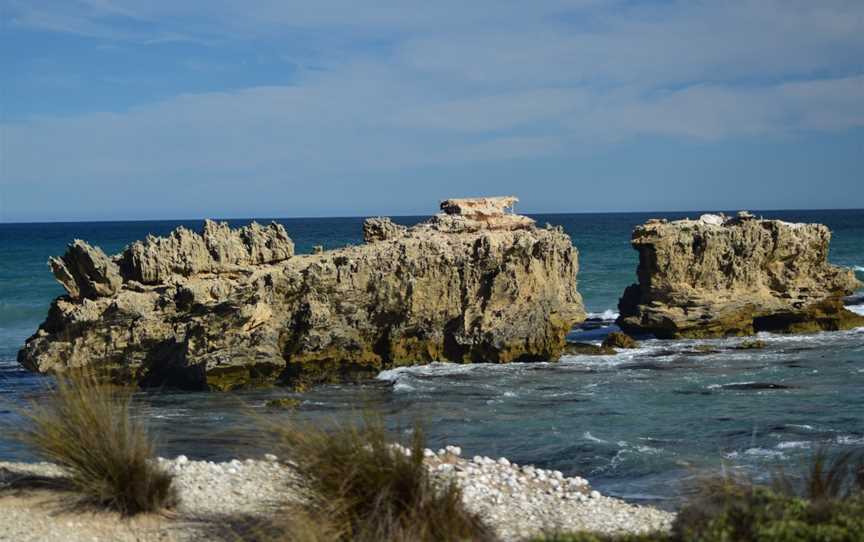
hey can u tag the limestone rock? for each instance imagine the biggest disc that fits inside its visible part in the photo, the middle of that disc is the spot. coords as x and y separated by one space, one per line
475 214
228 308
85 271
717 276
218 249
616 339
381 229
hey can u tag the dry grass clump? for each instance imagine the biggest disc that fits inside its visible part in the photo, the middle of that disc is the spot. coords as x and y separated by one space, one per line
86 426
366 489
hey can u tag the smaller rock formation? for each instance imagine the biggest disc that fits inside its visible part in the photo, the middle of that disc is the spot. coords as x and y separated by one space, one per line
616 339
217 249
718 276
380 229
86 272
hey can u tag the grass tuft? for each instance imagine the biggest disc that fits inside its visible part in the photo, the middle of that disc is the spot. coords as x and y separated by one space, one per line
86 427
366 489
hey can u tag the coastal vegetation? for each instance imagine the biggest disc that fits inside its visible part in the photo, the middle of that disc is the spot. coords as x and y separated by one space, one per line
825 504
355 482
366 487
87 427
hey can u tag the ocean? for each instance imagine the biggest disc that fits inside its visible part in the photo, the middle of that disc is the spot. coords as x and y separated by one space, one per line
638 425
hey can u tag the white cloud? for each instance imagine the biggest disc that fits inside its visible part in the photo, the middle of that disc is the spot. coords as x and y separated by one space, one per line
461 83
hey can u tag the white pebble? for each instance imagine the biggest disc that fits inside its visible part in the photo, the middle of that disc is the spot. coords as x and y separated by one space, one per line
270 457
182 460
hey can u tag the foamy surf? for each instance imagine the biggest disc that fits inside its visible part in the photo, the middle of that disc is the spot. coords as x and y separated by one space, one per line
607 315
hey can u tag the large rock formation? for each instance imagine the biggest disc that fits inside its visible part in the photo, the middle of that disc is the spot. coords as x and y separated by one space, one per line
719 276
229 308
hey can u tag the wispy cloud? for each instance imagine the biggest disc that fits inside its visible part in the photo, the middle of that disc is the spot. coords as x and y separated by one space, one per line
447 83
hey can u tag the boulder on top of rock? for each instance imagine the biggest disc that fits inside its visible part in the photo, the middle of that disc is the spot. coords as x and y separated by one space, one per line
475 214
476 207
719 276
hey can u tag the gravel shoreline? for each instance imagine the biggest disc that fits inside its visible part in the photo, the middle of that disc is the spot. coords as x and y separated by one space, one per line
219 500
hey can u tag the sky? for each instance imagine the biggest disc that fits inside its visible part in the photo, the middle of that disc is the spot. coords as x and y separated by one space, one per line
159 109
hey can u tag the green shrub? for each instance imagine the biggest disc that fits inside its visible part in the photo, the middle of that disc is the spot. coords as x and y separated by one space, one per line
86 427
364 489
825 505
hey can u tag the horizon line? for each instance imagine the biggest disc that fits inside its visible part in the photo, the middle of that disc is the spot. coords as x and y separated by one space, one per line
315 217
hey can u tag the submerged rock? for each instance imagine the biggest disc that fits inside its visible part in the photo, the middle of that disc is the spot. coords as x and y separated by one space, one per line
616 339
588 349
751 345
229 308
719 276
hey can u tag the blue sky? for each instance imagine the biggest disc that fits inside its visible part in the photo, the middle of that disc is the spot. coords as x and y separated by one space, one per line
122 109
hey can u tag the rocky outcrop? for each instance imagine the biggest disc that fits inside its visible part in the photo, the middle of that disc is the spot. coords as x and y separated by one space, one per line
86 272
228 308
719 276
217 249
381 229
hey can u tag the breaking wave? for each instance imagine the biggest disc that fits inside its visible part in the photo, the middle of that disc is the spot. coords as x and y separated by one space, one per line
608 314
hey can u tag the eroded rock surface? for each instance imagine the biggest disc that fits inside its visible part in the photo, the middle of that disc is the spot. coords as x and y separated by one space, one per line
719 276
229 308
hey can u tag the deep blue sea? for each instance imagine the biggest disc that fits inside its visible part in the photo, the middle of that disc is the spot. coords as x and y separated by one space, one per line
637 424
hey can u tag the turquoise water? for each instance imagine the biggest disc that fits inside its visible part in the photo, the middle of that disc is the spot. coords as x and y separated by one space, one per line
636 424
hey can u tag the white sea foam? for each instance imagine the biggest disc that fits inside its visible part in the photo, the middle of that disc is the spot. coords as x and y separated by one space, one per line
757 452
850 440
800 426
588 436
608 314
857 309
720 386
859 268
400 386
793 444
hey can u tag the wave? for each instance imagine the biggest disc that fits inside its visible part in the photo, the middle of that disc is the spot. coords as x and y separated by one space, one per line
794 444
588 436
857 309
608 314
757 452
859 268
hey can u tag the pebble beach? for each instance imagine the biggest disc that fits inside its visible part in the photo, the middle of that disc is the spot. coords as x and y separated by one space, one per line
218 501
